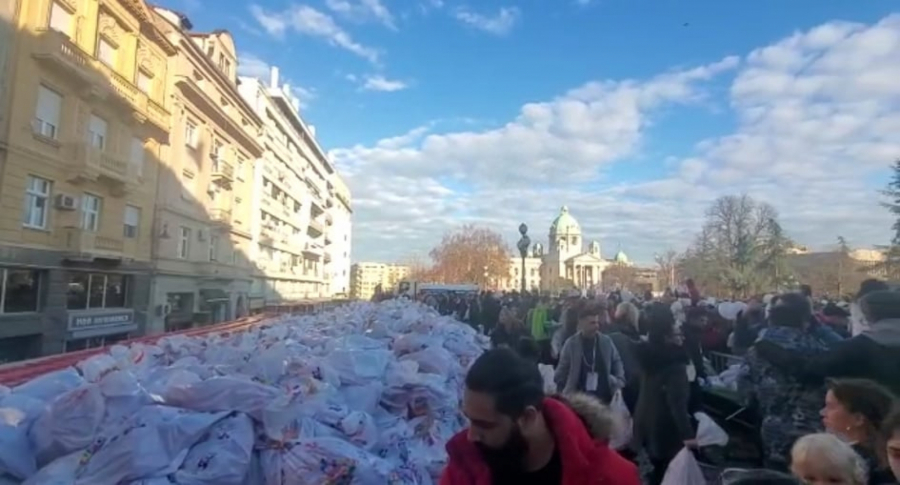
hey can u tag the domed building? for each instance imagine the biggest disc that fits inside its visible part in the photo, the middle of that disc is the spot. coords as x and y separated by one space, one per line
565 262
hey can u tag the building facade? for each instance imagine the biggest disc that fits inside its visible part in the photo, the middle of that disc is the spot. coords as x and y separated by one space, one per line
202 237
338 239
85 128
565 264
290 264
366 278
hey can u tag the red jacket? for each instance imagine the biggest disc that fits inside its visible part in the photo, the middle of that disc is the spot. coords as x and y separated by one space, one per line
580 425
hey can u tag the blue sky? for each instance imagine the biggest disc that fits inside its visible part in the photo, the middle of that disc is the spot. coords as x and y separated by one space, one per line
634 113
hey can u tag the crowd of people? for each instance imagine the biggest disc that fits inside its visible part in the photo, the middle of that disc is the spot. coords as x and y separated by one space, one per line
819 378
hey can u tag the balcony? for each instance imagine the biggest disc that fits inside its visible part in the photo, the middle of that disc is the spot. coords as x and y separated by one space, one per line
220 216
158 114
313 249
316 228
58 52
128 93
222 172
83 244
92 164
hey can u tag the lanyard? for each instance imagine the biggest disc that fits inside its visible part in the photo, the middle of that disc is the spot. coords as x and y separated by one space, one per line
593 362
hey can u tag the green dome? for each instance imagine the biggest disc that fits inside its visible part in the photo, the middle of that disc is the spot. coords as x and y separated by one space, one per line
565 223
621 257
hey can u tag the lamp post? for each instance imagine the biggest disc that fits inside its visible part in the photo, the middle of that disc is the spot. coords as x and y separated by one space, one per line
523 244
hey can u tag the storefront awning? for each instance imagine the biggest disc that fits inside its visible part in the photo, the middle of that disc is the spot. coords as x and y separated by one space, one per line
214 295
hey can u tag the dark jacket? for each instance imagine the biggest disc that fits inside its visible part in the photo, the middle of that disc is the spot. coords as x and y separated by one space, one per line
661 420
625 337
581 427
873 354
501 336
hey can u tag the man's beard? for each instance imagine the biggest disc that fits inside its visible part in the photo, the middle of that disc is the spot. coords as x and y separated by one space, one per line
508 458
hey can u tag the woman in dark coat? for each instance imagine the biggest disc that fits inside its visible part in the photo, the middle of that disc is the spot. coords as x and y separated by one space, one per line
662 422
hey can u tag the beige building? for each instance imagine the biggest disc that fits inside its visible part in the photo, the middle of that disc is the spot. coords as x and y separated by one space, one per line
83 132
366 277
204 216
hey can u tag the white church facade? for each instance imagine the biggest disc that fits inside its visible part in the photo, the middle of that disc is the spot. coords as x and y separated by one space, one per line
564 263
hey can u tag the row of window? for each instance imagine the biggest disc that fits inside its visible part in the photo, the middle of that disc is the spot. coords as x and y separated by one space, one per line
20 290
185 241
217 149
36 214
48 114
61 19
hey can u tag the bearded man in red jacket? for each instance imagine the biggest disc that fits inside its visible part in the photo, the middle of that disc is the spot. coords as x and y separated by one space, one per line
518 436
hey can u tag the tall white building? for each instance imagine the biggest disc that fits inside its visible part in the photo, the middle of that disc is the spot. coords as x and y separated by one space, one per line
301 206
338 237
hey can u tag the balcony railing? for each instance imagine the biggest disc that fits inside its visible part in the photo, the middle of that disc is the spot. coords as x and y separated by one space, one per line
91 163
316 227
222 172
60 52
83 242
221 216
124 88
158 114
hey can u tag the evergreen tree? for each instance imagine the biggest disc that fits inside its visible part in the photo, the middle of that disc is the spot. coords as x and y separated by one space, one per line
892 192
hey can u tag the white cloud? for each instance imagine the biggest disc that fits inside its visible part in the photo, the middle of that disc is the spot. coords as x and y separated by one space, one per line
818 122
380 83
308 21
363 10
250 65
500 24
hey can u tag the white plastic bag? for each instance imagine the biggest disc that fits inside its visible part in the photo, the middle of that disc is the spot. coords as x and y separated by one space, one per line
154 443
60 472
684 470
68 424
622 424
223 458
49 386
16 455
708 432
547 374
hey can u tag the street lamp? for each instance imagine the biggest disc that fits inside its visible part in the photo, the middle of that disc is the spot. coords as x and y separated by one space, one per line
523 244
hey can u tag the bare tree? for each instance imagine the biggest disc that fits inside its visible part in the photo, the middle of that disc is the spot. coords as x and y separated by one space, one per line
419 268
620 276
666 264
471 254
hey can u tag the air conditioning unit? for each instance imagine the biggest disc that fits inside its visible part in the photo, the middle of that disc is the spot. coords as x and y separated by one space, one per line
65 202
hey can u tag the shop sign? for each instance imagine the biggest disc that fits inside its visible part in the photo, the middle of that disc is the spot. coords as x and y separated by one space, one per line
91 320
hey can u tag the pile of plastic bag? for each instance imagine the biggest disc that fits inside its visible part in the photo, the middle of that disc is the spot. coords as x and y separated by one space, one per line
367 393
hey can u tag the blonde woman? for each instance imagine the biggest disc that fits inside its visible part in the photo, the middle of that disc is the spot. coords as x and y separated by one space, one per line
624 334
823 459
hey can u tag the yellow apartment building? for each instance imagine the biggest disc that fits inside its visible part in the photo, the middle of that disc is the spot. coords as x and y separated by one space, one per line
202 271
85 128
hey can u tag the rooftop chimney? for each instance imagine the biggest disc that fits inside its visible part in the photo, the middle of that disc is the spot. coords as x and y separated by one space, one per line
273 82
